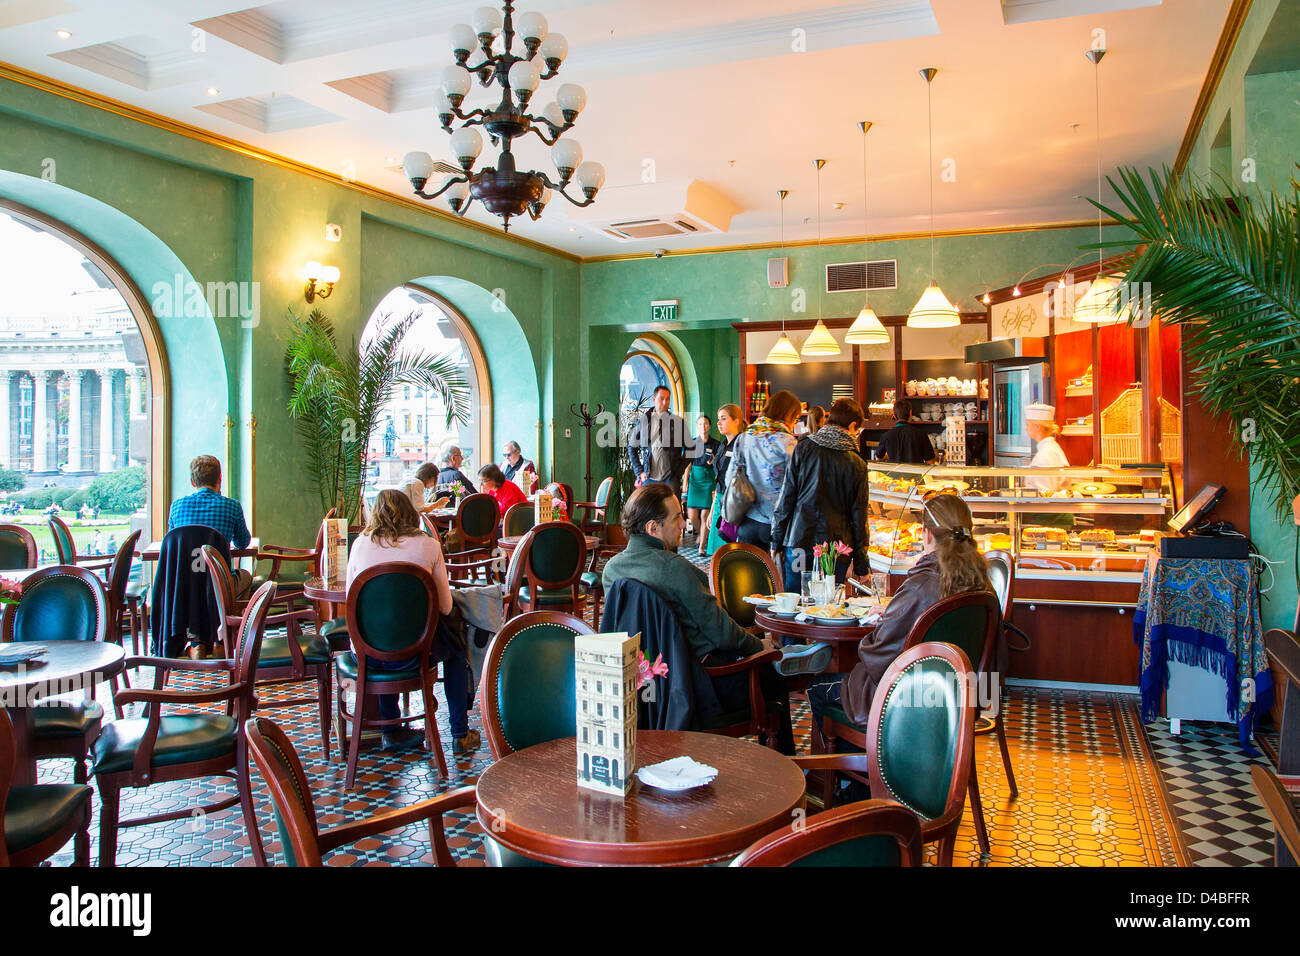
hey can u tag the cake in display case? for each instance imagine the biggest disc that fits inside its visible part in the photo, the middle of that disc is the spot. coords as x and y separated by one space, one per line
1065 523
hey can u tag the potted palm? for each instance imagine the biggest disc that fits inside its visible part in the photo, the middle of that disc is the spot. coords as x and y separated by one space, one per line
336 395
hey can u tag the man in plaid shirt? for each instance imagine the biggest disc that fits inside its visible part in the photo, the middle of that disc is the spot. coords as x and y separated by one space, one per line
208 507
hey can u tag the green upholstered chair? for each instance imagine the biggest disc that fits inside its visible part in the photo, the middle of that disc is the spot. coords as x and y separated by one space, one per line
869 833
520 518
292 658
590 515
526 693
920 740
66 548
614 541
17 548
61 603
545 571
738 570
125 598
469 554
36 820
392 613
158 748
301 840
1002 575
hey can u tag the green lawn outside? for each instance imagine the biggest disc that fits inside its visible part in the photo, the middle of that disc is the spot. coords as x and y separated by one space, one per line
114 526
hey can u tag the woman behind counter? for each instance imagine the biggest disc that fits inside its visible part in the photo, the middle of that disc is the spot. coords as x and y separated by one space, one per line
730 424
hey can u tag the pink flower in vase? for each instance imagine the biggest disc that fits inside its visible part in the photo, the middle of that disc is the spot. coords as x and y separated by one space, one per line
11 591
842 548
818 549
646 671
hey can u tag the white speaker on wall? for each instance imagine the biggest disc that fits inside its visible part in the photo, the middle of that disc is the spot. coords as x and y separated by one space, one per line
778 273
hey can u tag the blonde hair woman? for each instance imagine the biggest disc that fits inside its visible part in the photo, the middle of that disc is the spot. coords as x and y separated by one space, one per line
731 422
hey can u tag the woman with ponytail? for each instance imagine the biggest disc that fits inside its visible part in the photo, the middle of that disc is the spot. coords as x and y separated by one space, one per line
951 564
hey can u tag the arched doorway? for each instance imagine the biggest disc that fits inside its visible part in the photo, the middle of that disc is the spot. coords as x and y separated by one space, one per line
650 364
413 421
80 364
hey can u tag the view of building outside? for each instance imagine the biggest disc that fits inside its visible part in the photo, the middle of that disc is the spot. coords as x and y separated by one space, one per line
414 421
75 420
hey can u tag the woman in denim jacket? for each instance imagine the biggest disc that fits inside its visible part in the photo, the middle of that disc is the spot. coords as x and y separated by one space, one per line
763 453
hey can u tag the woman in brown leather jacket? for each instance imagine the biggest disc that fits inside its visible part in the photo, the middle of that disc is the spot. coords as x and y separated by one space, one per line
951 564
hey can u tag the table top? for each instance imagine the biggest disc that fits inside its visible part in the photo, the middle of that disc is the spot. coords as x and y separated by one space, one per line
315 589
69 665
21 574
153 550
530 802
510 542
810 630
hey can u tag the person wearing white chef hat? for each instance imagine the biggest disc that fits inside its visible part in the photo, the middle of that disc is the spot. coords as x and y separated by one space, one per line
1040 423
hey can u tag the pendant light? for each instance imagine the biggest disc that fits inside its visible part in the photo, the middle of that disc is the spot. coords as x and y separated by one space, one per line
1096 308
932 310
867 329
783 352
820 342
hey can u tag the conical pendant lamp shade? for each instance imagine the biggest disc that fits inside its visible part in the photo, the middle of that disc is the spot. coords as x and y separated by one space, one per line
783 353
820 342
867 329
1095 307
933 310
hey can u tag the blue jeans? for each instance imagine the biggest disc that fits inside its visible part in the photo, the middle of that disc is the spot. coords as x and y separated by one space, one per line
455 674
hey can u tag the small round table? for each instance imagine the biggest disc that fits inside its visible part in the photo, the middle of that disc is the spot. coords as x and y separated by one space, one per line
317 589
510 542
844 638
530 802
67 666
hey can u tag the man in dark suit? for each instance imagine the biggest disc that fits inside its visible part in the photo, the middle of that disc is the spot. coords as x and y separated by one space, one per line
660 444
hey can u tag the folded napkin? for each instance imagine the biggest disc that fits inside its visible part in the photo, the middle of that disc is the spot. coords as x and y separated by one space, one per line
680 773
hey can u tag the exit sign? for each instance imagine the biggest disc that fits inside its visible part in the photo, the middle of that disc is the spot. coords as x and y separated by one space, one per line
663 310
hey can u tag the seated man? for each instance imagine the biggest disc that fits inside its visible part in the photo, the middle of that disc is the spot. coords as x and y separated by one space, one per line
652 518
515 464
450 472
209 507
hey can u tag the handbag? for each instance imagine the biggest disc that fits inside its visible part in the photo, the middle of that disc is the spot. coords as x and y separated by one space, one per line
739 497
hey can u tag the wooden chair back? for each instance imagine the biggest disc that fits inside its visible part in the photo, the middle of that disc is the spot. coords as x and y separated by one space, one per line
476 520
17 548
737 570
520 518
119 572
868 833
60 603
1281 807
64 546
528 672
969 620
291 800
551 557
1002 575
392 612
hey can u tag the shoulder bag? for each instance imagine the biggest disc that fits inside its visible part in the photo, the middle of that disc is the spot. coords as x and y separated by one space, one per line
740 495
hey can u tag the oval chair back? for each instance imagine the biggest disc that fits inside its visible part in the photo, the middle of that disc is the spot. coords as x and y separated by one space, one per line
17 548
62 603
548 561
867 833
1002 575
295 814
527 687
969 620
392 612
476 520
921 737
602 493
248 649
520 518
119 572
738 570
64 546
223 586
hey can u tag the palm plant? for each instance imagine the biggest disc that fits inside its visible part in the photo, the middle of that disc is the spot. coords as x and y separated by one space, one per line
1226 267
336 395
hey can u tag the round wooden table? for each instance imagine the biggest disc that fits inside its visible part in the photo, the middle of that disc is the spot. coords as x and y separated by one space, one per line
316 589
843 637
67 666
531 803
510 542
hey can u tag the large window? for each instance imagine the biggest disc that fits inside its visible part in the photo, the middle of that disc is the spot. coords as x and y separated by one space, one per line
412 427
76 434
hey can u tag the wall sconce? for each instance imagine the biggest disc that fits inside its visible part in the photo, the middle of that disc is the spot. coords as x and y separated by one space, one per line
320 280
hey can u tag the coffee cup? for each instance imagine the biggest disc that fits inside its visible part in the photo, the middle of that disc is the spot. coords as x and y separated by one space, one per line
786 601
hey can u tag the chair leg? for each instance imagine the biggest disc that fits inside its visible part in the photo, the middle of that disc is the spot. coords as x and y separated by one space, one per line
108 809
354 744
946 845
977 808
323 695
827 776
1006 758
81 842
245 787
431 735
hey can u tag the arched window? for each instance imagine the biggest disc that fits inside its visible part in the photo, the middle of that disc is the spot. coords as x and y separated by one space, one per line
414 422
650 363
80 363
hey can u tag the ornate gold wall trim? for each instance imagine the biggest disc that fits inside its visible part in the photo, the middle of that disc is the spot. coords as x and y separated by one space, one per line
1218 63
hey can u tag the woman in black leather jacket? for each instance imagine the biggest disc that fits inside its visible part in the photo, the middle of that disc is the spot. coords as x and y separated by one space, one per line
824 498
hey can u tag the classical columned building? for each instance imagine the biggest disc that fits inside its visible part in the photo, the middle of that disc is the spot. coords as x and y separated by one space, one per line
75 388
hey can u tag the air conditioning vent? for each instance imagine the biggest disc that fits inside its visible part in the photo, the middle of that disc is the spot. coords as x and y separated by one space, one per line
861 276
650 228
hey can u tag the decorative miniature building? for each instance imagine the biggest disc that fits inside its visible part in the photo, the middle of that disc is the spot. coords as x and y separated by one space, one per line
544 508
334 552
606 682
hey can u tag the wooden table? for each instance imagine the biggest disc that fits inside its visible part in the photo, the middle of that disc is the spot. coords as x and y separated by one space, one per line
153 550
844 638
317 589
531 803
510 542
68 666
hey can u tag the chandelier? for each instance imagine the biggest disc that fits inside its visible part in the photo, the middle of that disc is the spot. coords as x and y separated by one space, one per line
503 190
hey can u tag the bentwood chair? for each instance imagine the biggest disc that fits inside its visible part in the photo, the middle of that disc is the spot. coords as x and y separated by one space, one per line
37 820
520 518
920 740
545 571
473 532
302 841
1002 575
738 570
292 659
61 603
125 599
140 752
392 614
66 548
528 669
869 833
1282 809
17 548
590 515
614 541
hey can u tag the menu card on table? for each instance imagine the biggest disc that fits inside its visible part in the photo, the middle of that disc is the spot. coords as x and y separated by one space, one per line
334 553
606 679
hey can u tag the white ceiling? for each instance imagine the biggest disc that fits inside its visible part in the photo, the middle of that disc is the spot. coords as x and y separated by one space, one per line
709 91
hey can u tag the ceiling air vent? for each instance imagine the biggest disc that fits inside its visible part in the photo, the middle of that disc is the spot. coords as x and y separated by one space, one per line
654 228
653 211
861 276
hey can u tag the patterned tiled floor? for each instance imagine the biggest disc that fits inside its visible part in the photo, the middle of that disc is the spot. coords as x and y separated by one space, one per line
1096 789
